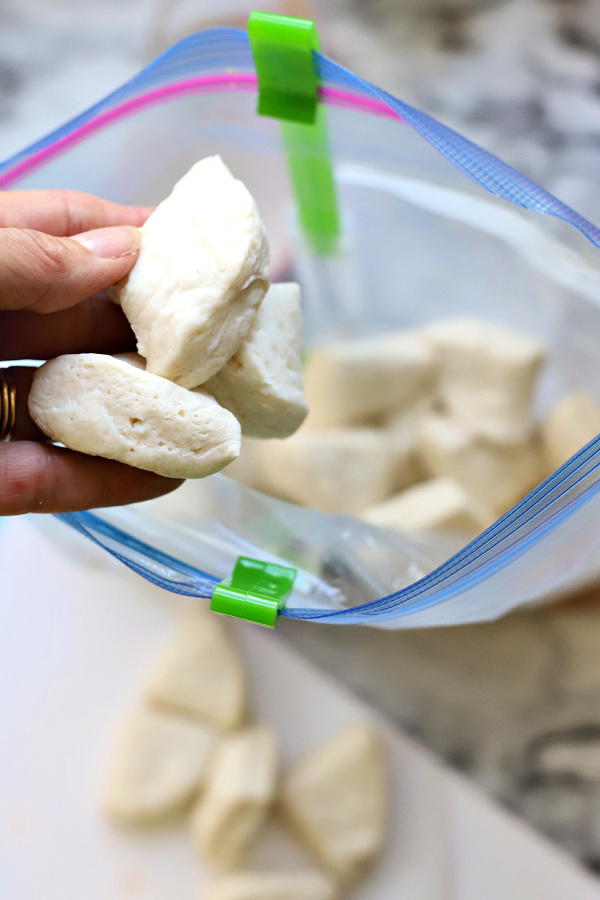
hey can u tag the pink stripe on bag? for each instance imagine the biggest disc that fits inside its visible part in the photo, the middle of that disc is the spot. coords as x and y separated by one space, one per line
206 84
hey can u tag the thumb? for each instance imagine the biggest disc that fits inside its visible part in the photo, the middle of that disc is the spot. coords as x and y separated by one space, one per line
42 273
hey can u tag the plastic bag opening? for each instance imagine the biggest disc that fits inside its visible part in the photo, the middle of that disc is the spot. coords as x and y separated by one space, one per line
431 225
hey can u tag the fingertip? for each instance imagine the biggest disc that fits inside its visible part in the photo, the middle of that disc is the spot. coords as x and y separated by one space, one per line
152 486
111 242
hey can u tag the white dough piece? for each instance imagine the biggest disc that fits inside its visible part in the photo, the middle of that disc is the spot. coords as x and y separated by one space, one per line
240 791
160 764
201 273
110 407
354 382
440 504
336 798
487 377
273 886
201 674
249 468
403 434
335 471
498 475
262 382
571 423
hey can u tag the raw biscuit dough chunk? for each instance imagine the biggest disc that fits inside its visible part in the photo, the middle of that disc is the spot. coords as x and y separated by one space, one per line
498 475
250 468
336 799
108 406
262 382
201 674
273 886
335 471
403 435
201 273
160 764
354 382
571 423
487 377
440 504
240 790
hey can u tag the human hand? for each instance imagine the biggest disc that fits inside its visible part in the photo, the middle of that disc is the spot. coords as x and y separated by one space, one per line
58 251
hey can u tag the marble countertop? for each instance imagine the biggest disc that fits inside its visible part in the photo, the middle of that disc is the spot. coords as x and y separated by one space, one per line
515 704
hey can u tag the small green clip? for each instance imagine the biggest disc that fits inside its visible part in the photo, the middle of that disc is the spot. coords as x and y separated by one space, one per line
283 47
255 591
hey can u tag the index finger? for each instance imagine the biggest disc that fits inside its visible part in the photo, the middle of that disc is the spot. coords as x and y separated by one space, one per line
43 478
63 213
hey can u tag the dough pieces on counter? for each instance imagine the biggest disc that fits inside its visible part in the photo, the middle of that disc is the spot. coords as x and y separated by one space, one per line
160 763
168 764
336 798
262 382
201 674
239 793
273 886
108 406
201 274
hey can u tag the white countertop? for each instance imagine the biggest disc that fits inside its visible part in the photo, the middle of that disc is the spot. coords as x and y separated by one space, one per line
78 632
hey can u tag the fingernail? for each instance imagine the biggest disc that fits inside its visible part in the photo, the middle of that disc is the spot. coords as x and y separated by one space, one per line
111 242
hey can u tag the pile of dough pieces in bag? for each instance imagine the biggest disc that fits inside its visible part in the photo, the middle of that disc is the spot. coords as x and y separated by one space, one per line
431 429
192 750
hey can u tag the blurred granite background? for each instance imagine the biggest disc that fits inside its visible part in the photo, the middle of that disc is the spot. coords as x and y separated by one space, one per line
514 704
520 77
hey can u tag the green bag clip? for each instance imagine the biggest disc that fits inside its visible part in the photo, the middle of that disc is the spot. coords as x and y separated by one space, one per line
255 591
282 47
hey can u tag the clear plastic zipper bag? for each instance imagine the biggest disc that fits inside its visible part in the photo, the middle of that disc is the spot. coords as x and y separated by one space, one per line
432 226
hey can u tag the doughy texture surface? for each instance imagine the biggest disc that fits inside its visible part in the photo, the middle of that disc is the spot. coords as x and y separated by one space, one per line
108 407
240 790
440 504
571 423
262 382
335 471
201 274
497 475
403 434
273 886
487 377
352 382
336 798
159 764
201 674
